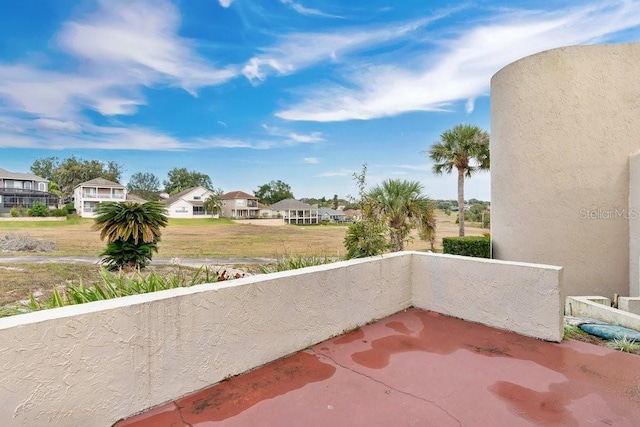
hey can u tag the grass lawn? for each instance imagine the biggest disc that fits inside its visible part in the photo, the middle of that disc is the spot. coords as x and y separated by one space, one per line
182 238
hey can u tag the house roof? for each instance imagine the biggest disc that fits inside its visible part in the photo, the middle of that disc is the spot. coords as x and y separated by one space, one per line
237 195
134 198
332 212
178 196
5 174
100 182
291 204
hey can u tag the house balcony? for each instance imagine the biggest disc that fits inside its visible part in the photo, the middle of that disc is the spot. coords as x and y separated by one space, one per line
97 363
99 196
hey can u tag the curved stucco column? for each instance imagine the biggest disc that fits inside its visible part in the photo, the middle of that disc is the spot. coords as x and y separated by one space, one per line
563 125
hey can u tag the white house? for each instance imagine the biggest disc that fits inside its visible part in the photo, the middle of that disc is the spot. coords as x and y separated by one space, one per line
188 203
87 195
296 212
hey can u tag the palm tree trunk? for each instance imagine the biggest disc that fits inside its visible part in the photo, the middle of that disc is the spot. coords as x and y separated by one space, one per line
461 202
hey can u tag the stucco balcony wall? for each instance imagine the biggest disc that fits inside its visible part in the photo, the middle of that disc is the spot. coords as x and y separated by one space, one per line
96 363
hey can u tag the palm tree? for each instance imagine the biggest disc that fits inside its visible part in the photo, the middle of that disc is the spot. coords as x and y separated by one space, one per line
466 148
132 231
403 207
213 203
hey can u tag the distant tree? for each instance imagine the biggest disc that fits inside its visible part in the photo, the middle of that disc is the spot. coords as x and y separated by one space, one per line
334 203
273 192
213 203
70 172
145 185
403 207
465 148
180 179
132 231
45 167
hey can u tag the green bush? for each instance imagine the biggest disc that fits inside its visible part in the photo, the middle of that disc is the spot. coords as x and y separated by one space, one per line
468 246
13 212
59 212
39 209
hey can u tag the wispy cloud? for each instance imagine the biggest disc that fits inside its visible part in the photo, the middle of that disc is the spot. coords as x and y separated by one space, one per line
296 51
139 39
462 67
225 3
305 10
124 46
294 137
54 134
311 160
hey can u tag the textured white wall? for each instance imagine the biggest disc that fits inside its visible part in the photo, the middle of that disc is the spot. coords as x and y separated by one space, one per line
514 296
95 363
634 225
563 125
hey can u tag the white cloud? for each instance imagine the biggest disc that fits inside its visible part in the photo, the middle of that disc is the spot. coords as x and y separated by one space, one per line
138 40
57 125
225 3
462 68
294 137
124 46
469 106
311 160
296 51
305 10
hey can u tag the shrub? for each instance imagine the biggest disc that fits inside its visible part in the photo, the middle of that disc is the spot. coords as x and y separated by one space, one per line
468 246
365 238
39 209
293 263
13 212
59 212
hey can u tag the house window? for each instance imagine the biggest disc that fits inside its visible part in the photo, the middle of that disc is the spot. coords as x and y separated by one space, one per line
42 186
239 202
27 185
196 197
181 209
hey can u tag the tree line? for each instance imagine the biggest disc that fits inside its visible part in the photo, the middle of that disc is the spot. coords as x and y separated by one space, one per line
66 174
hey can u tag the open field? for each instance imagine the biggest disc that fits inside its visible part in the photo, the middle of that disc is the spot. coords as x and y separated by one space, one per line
201 238
216 238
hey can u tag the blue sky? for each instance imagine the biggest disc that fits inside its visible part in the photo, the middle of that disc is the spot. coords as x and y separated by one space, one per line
249 91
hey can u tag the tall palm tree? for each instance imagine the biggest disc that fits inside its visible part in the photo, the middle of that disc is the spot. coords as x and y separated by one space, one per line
466 148
213 203
132 231
403 207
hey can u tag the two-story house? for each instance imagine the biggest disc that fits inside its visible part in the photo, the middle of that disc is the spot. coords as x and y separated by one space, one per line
296 212
188 203
238 204
87 195
23 190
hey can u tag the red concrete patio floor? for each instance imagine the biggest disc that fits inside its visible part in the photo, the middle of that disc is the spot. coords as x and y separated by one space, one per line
420 368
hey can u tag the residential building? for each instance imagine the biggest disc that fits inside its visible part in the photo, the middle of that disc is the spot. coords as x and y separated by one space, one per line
188 203
24 189
296 212
353 214
331 215
240 205
87 195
